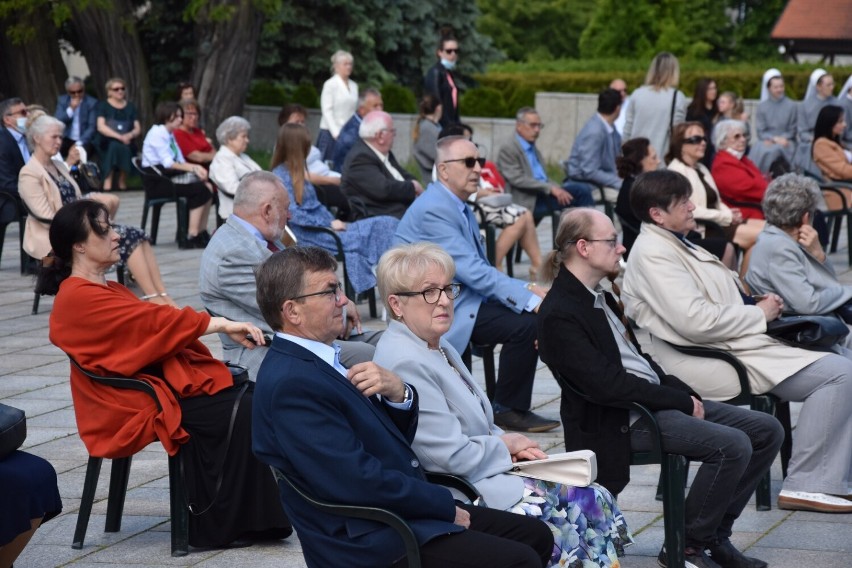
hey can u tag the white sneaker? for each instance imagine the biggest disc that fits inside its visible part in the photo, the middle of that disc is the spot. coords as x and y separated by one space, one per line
817 502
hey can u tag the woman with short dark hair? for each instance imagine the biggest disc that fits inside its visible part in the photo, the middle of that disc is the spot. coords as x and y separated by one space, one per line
833 160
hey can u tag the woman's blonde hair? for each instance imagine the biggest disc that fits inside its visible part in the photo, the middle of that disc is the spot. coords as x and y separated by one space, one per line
401 267
291 150
664 71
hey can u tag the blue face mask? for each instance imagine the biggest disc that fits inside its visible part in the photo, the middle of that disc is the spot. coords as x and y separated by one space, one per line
448 65
21 124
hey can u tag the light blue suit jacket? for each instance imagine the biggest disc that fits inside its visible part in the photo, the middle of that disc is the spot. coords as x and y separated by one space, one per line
435 217
779 264
593 155
456 433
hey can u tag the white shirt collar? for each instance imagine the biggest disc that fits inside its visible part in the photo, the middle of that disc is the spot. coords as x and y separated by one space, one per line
328 353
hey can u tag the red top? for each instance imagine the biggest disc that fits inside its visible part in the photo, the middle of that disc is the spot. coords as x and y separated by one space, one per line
739 180
193 141
491 174
110 332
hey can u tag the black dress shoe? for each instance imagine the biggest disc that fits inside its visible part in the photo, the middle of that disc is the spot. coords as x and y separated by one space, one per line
524 421
693 558
726 555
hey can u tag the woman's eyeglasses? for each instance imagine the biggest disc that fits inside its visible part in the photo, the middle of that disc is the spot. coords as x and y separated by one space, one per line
432 295
469 162
117 88
695 140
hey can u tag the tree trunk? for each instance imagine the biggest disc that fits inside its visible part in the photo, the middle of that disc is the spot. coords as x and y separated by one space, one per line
33 70
109 41
226 54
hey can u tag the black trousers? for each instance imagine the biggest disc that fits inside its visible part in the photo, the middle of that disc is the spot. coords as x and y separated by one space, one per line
495 538
495 323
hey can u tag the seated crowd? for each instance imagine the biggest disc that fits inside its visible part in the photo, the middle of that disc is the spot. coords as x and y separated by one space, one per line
354 416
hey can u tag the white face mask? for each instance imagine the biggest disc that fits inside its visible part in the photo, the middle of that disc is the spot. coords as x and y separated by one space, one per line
21 124
449 65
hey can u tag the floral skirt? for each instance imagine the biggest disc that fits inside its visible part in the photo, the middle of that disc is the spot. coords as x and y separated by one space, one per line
588 527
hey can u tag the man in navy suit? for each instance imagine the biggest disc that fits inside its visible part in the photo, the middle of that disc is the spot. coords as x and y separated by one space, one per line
368 100
492 308
343 435
13 145
77 110
597 145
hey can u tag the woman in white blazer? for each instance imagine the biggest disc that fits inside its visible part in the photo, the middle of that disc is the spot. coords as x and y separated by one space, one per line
456 431
338 101
684 295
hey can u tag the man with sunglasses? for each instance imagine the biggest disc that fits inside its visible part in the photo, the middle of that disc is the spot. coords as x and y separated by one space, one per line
492 308
77 111
441 83
344 436
14 152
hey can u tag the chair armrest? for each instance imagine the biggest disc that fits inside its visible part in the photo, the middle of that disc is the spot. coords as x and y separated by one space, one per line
121 383
458 483
328 231
711 353
370 513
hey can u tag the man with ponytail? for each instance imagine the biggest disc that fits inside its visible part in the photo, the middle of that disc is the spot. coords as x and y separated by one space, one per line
583 337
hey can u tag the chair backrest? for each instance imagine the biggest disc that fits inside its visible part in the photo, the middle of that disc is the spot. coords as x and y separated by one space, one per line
120 382
152 177
412 549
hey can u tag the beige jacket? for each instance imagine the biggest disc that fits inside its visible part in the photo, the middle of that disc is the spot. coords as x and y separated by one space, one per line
688 297
721 215
41 196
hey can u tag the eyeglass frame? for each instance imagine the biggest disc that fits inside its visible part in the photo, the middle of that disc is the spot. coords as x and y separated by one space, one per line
453 286
613 242
335 291
695 140
469 162
533 125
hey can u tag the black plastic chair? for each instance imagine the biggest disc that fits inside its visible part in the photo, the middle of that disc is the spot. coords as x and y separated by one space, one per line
159 191
766 403
119 475
486 352
673 472
9 213
341 258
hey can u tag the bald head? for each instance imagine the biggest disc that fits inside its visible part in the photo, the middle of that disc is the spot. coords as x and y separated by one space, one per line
620 86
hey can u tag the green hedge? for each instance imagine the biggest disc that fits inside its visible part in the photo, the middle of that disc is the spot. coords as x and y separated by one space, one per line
514 86
398 99
269 93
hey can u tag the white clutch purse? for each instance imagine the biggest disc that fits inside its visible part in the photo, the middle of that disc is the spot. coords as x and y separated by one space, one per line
578 469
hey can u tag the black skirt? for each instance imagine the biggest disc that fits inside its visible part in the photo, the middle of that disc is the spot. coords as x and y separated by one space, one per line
247 504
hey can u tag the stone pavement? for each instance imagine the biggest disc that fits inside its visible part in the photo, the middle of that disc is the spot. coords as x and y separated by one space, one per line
34 377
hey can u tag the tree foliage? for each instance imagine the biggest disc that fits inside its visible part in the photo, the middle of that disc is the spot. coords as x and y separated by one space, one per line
391 40
535 29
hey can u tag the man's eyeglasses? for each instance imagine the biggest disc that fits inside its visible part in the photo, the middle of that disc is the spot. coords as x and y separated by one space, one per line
117 89
333 291
695 140
391 130
22 112
534 125
613 242
469 162
452 50
432 295
75 93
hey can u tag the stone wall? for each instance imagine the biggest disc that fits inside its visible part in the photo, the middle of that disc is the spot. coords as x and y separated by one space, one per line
564 114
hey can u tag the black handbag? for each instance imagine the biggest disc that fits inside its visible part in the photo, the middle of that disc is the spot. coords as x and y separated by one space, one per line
809 332
13 429
845 312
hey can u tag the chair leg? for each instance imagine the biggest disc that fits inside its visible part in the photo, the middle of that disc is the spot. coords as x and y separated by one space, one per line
119 273
849 237
510 265
490 372
36 300
145 207
763 492
674 479
182 220
119 475
835 232
467 358
782 413
371 301
155 222
177 506
93 471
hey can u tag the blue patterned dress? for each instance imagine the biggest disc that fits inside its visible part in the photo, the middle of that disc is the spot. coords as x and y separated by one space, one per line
364 241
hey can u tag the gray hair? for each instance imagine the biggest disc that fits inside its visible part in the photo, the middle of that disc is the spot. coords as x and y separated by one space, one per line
789 197
40 126
402 268
281 277
443 146
369 91
230 128
340 55
254 189
723 129
523 111
373 123
73 80
7 104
